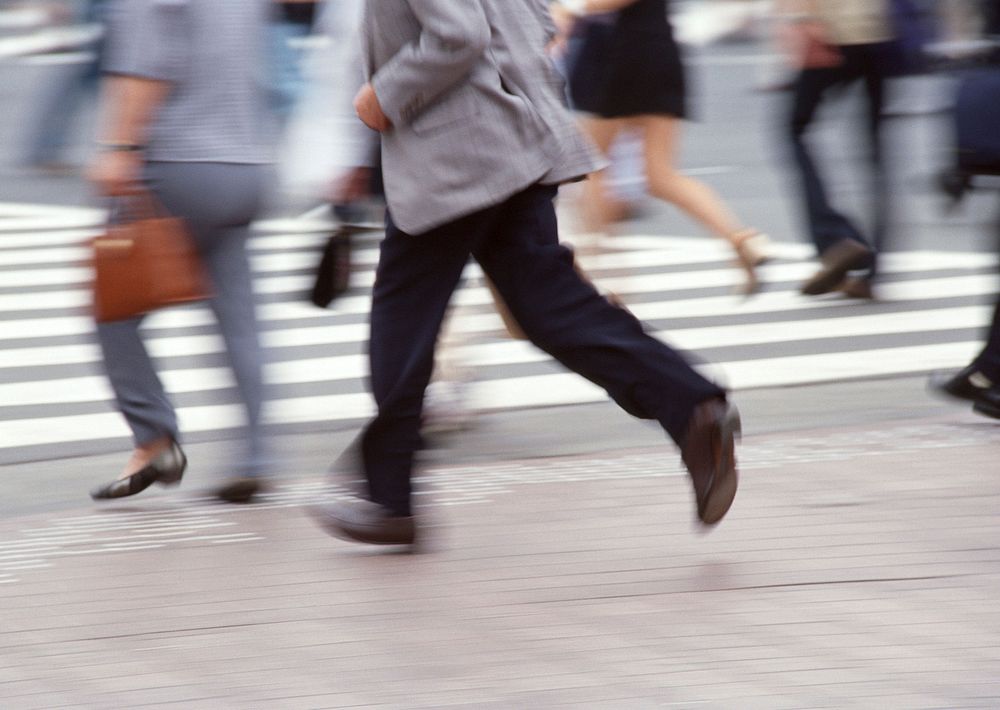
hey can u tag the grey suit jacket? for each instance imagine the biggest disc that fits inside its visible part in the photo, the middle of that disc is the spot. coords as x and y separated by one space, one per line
477 107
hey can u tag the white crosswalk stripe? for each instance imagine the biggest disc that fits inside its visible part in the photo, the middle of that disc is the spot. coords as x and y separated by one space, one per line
933 306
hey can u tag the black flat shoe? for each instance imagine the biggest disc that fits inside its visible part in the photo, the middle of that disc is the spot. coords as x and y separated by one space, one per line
167 469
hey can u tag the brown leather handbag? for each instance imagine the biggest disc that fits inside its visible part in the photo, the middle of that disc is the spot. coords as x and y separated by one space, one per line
145 260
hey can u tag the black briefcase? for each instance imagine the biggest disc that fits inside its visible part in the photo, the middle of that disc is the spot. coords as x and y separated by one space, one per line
333 275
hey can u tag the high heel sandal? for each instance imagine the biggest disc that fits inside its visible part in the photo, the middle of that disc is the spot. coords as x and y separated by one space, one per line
166 468
752 250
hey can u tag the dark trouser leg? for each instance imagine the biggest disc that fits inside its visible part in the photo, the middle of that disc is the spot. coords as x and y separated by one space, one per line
988 361
415 278
827 226
566 317
871 60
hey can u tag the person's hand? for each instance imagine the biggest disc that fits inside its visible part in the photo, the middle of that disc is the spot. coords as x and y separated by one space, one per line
116 172
370 111
564 21
809 46
352 186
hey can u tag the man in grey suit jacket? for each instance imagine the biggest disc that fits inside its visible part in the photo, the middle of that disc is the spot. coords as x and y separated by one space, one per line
475 139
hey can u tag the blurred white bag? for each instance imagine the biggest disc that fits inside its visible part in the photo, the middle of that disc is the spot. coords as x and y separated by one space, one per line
324 137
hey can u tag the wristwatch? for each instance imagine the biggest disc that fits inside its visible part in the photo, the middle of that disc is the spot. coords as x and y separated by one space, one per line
111 147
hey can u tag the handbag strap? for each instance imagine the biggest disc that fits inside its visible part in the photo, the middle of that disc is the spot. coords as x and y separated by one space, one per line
138 205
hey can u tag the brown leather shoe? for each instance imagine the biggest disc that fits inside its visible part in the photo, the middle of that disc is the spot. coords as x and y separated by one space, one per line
858 287
709 452
364 521
241 489
842 257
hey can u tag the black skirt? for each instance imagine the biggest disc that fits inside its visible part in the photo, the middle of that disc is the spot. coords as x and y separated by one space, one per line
630 66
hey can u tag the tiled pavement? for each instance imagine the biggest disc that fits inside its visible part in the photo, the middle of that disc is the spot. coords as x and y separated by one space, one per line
859 568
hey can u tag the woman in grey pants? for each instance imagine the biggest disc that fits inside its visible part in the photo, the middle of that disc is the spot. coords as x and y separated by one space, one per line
185 116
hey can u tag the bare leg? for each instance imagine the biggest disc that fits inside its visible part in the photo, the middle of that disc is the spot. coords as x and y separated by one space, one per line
595 207
695 198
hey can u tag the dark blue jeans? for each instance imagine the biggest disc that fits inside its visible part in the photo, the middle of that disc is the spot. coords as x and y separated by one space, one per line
517 245
861 63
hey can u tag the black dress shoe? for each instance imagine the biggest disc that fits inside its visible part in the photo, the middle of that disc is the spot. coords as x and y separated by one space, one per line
709 452
240 490
988 403
846 255
167 469
364 521
968 384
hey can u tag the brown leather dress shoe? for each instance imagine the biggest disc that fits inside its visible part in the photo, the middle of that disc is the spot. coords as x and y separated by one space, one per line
364 521
709 452
858 287
240 490
842 257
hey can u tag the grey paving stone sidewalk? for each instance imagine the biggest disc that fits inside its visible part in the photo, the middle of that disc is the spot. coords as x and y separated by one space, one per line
857 569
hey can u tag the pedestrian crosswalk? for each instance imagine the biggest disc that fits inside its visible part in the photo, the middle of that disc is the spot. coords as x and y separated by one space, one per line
932 308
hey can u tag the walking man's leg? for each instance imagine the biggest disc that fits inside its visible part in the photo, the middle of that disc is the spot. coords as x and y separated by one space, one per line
839 243
565 316
415 278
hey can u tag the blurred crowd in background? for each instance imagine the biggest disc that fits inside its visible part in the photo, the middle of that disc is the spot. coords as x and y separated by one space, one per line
313 71
299 106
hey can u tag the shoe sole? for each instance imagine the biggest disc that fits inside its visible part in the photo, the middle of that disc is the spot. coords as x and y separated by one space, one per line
723 490
335 528
986 410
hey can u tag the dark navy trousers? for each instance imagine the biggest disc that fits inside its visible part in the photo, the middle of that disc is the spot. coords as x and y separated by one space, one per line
517 245
827 225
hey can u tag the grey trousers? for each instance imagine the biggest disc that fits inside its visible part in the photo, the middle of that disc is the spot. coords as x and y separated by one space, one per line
218 201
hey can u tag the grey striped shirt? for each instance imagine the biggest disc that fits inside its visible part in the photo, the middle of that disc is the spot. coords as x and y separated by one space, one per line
214 53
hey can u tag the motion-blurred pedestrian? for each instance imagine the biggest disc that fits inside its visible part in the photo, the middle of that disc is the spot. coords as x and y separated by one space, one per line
836 43
290 28
628 74
51 128
185 116
977 116
475 140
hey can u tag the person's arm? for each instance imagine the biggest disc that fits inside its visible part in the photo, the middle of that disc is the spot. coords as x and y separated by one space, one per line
146 57
454 34
804 35
129 105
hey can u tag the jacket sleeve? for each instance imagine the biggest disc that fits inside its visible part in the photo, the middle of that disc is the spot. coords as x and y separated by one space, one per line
454 35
